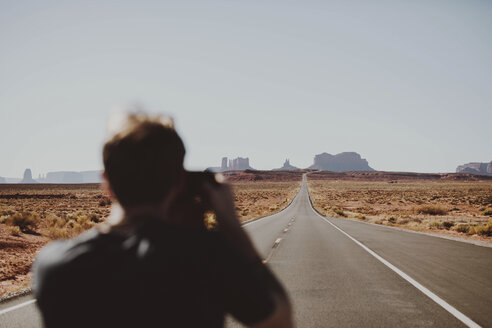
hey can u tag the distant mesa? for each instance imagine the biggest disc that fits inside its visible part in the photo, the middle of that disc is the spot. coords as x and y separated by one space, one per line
287 167
235 164
28 177
348 161
72 177
343 162
238 163
58 177
68 177
475 168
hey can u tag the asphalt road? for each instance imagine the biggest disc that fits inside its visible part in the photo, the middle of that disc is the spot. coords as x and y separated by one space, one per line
334 282
342 273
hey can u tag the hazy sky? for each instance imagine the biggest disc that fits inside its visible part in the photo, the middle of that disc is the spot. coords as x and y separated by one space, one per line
407 84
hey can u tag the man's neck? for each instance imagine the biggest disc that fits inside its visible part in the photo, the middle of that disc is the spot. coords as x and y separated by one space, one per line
131 218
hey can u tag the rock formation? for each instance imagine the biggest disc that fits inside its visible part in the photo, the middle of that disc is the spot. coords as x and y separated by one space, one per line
92 176
348 161
238 163
28 177
73 177
64 177
287 167
475 168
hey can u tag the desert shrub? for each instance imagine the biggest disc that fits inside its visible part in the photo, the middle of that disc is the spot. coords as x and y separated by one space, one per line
70 225
432 210
339 212
14 231
392 220
83 221
7 212
487 200
367 211
58 233
473 230
447 225
360 217
105 201
488 229
488 212
26 222
95 218
482 230
464 228
4 218
55 221
435 225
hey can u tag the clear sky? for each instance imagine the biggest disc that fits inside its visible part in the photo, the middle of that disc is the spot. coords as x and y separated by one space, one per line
407 84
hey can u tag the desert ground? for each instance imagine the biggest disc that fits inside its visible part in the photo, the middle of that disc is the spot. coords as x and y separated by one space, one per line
457 205
451 204
259 194
33 215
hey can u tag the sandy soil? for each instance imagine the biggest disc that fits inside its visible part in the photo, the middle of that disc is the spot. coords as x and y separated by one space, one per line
440 204
50 212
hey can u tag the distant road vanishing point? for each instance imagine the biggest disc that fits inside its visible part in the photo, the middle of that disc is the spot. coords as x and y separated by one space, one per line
342 273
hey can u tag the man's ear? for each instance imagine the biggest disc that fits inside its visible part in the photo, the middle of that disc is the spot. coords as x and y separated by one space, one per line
106 187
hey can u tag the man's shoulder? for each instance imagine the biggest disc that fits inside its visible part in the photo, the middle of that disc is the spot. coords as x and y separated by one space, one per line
62 252
91 245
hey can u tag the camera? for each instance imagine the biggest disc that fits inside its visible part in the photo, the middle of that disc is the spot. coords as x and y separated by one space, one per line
192 206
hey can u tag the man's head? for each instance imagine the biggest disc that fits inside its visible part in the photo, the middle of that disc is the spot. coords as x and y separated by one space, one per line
143 159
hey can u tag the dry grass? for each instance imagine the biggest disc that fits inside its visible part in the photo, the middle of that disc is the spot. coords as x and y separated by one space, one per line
32 215
446 207
26 222
431 210
14 231
258 199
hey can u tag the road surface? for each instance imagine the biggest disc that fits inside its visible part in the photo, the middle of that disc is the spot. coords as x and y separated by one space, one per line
342 273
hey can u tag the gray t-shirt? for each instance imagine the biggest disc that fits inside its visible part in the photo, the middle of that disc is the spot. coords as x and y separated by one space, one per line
158 276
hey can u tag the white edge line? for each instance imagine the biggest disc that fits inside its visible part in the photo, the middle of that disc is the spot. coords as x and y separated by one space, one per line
460 316
15 307
445 305
430 234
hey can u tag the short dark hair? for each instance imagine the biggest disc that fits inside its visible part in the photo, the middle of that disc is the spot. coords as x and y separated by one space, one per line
143 159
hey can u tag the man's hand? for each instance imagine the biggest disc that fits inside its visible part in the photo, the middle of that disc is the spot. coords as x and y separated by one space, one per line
219 197
221 200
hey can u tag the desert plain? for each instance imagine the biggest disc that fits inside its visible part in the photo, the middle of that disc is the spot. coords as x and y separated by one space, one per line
31 215
458 205
454 204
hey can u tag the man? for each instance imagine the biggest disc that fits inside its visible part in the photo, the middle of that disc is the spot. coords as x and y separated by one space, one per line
155 263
